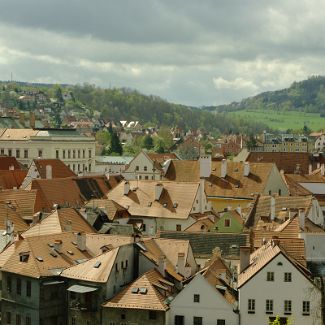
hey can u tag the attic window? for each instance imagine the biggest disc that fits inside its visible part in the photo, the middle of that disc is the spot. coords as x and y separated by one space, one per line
97 264
74 243
70 252
134 290
143 291
23 257
39 258
51 245
165 205
175 205
53 254
280 263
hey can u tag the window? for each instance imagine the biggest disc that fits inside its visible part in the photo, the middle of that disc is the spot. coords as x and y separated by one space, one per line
123 316
25 153
18 286
144 227
196 298
79 153
63 154
146 177
9 286
17 153
69 154
9 152
270 276
8 317
179 320
74 154
73 321
89 153
136 168
152 314
145 168
251 306
197 320
18 319
57 154
28 288
89 167
28 320
306 307
2 152
73 167
279 192
40 153
287 277
287 307
178 227
227 222
83 153
269 306
221 322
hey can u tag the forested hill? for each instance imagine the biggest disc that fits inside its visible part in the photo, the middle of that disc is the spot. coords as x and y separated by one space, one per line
125 104
305 96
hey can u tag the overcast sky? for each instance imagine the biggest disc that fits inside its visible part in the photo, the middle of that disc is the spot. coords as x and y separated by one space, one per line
195 52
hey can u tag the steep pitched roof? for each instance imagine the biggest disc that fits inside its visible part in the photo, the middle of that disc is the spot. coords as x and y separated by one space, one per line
43 260
10 179
161 157
60 220
235 184
97 269
141 199
71 191
59 168
150 299
9 212
110 207
23 200
203 243
7 163
264 255
286 161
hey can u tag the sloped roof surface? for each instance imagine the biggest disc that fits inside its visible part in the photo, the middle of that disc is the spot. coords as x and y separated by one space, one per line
59 168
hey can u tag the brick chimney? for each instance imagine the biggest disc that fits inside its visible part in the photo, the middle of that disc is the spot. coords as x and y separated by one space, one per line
126 188
223 168
81 241
246 168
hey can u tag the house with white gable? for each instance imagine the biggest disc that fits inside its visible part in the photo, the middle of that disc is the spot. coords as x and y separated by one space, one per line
207 299
272 283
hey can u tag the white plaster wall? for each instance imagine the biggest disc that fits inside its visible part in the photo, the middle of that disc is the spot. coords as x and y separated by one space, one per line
314 246
299 290
275 182
212 305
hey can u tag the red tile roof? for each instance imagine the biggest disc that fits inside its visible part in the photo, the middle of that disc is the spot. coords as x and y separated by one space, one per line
7 162
59 168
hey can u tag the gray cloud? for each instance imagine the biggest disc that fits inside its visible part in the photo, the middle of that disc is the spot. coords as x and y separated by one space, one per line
187 51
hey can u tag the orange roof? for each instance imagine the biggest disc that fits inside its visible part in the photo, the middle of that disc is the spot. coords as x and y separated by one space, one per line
97 269
60 220
10 179
42 259
8 162
286 161
176 200
10 212
59 168
71 191
161 157
235 184
151 298
23 200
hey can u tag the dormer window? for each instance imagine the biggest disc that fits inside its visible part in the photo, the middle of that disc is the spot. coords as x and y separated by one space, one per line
23 257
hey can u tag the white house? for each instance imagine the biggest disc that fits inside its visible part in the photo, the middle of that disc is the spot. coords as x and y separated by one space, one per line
207 300
272 283
320 143
74 149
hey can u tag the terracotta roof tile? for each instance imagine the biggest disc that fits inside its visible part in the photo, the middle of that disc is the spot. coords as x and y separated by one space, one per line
8 162
59 168
11 179
152 299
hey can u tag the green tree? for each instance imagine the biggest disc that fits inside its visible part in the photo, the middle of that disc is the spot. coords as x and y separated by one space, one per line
277 321
188 151
147 142
103 137
116 146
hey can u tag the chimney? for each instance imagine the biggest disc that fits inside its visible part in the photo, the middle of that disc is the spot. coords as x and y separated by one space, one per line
205 166
244 258
22 118
223 168
246 168
81 241
126 188
275 241
180 266
11 167
162 264
158 191
48 172
32 120
302 218
68 226
310 169
272 212
322 169
58 246
318 165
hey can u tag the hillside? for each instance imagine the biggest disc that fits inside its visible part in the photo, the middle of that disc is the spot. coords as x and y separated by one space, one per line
124 104
305 96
